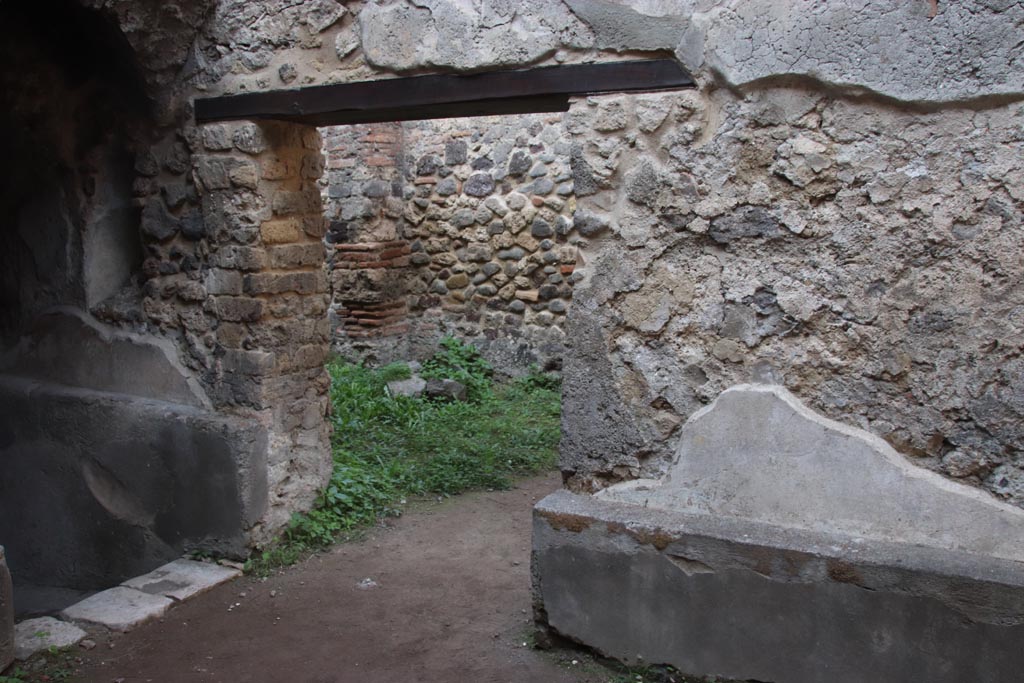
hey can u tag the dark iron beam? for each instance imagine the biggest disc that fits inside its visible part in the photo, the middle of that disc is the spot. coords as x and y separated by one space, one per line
541 89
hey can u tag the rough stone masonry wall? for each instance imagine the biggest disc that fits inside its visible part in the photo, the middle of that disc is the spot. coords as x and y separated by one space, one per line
483 246
861 155
864 254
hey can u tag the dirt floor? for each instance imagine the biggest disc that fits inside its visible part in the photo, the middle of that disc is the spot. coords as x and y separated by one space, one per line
448 600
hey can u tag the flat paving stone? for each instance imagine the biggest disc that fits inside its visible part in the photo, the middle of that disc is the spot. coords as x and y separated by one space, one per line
182 579
119 608
34 635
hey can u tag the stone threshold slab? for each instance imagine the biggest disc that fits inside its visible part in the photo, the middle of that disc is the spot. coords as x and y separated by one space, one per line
182 579
149 596
716 596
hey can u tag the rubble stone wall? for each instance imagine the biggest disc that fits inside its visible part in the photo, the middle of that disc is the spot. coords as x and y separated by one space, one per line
460 226
865 254
837 206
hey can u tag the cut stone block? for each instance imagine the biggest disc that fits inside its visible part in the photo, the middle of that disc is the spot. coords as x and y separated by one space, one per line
782 546
35 635
181 579
413 386
6 614
119 608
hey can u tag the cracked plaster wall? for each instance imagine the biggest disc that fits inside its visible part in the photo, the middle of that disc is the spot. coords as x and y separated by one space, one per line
838 205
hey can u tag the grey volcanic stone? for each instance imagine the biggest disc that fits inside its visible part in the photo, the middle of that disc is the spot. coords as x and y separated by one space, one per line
157 222
643 184
520 163
428 165
192 225
541 228
455 152
588 224
479 185
447 389
463 218
583 180
447 187
748 221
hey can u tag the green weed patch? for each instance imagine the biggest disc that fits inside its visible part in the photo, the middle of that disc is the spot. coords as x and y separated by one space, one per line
389 447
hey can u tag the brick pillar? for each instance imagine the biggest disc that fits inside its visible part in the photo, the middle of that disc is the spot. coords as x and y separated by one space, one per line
369 288
370 260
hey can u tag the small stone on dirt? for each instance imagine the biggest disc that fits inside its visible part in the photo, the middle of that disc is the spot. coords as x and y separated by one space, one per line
413 386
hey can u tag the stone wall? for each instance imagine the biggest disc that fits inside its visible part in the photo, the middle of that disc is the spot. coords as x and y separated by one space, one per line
837 206
458 226
860 252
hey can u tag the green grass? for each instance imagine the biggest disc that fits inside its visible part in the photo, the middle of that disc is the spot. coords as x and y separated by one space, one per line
389 447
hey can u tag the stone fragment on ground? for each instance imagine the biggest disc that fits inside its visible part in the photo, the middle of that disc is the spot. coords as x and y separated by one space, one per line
181 579
119 609
6 614
413 386
35 635
445 389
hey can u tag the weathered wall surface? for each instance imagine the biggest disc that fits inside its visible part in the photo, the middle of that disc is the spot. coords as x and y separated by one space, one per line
866 254
838 207
460 226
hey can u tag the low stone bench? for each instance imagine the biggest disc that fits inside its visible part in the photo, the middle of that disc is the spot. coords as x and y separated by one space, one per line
785 547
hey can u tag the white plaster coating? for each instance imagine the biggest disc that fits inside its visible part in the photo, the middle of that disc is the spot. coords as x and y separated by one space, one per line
759 454
118 608
35 635
182 579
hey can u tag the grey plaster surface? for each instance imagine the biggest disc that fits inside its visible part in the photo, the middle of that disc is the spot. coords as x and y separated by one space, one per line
69 347
119 608
123 486
182 579
35 635
746 600
758 454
